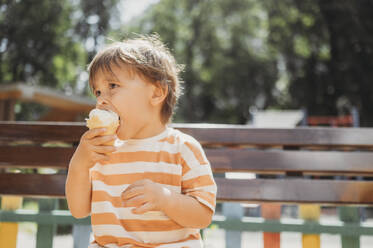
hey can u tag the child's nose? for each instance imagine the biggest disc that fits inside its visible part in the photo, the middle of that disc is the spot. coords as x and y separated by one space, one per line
101 101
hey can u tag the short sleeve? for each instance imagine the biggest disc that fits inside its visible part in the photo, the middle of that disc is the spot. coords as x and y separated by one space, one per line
197 178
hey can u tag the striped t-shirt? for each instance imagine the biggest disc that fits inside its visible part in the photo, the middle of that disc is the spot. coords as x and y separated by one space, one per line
173 159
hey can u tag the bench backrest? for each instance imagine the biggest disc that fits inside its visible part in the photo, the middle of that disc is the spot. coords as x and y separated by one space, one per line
300 165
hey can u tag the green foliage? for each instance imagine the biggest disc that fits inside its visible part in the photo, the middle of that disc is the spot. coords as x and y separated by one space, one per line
328 51
44 42
223 45
308 54
237 54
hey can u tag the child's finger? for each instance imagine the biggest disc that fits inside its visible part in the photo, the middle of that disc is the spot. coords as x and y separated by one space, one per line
104 149
103 139
139 183
100 157
131 192
143 209
94 132
135 201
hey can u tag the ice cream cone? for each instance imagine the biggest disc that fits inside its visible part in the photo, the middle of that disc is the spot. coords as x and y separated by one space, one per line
103 119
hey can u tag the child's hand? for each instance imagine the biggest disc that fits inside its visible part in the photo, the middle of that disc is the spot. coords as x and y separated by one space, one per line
91 148
145 195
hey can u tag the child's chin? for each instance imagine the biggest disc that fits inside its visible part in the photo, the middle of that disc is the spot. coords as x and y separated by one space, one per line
122 133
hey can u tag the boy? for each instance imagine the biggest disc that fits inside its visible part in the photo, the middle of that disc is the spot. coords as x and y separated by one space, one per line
154 187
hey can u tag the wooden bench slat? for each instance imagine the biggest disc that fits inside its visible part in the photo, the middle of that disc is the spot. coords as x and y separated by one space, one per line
206 134
312 162
35 157
256 190
301 136
41 132
38 185
222 160
296 191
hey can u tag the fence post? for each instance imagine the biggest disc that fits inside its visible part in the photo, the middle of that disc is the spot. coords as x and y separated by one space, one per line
45 233
9 231
81 234
350 215
310 212
232 210
271 211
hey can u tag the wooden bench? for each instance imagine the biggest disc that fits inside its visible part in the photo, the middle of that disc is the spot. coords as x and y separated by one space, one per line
327 166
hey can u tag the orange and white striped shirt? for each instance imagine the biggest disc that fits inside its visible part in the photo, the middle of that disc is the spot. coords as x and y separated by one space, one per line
173 159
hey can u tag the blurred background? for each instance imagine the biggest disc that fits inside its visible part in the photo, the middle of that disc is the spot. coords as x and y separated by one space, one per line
240 56
266 63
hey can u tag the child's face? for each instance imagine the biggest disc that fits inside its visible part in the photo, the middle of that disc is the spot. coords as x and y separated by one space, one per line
128 95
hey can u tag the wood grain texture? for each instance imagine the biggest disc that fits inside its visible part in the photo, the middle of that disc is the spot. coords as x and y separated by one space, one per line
236 190
35 157
41 131
206 134
280 162
222 160
36 185
296 191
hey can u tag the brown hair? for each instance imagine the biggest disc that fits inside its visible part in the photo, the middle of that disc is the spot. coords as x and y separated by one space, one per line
148 57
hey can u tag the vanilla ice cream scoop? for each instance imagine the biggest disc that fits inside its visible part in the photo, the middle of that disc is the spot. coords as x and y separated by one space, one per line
99 118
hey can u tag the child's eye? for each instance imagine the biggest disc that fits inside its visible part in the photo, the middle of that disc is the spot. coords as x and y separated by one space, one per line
97 93
112 86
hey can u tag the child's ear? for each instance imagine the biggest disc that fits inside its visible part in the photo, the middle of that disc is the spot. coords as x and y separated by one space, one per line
159 94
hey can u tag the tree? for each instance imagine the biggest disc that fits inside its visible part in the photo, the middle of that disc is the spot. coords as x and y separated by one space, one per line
44 42
350 26
327 47
268 54
227 65
238 54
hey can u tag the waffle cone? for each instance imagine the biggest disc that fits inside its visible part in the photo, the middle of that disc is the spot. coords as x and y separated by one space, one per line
111 129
